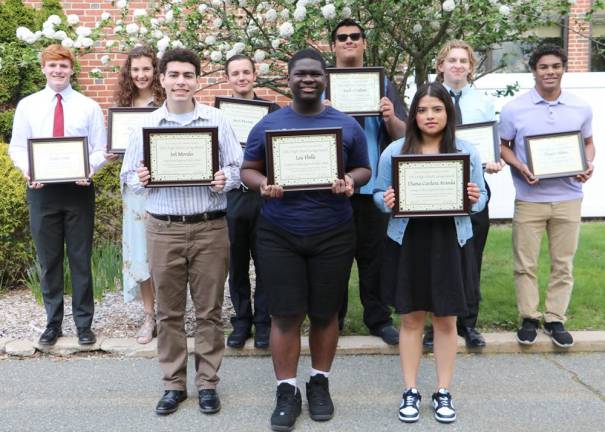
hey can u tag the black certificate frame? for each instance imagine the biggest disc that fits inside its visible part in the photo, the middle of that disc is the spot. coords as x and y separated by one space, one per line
114 112
461 158
32 142
218 100
270 135
201 181
495 136
556 174
369 70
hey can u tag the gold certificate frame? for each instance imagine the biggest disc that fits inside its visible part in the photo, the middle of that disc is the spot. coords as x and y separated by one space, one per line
58 160
304 159
243 114
555 155
484 136
120 124
356 91
431 185
180 156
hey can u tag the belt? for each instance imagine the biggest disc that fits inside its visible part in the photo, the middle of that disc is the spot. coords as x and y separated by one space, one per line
195 218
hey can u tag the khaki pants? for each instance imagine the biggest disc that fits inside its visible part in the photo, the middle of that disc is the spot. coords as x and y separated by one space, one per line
195 254
561 221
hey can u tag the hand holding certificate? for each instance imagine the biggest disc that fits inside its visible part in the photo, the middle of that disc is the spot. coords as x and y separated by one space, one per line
243 114
555 155
356 91
484 137
120 124
58 160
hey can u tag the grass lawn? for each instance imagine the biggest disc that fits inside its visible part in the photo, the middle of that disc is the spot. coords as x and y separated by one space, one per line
498 308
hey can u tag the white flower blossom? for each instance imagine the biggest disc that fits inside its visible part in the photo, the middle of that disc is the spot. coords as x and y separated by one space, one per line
47 25
417 28
302 3
242 3
87 42
271 15
217 3
275 43
54 19
285 14
286 30
105 59
96 72
143 30
202 8
346 12
177 44
31 38
132 28
121 4
300 13
259 56
49 32
78 43
139 13
60 35
105 16
169 16
448 5
230 54
109 43
163 43
23 32
504 10
263 69
493 2
238 47
328 11
73 19
117 29
435 25
216 56
210 40
120 22
154 22
217 22
67 42
83 31
157 34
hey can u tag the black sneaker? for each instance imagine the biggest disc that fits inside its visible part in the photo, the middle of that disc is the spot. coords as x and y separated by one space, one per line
409 408
321 407
528 332
444 406
287 407
559 335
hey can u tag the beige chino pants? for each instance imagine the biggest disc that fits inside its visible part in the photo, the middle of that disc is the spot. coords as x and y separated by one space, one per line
561 221
195 254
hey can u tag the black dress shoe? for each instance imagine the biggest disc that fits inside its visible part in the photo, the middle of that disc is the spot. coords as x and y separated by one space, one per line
237 338
261 337
86 337
473 338
50 336
209 401
428 339
388 334
169 403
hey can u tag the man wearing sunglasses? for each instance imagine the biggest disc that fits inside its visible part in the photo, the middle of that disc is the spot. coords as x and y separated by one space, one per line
348 42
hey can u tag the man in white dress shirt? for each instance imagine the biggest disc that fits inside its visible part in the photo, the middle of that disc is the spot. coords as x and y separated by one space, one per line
187 238
61 213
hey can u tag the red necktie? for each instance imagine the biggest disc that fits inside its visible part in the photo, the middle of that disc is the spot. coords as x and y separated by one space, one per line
58 130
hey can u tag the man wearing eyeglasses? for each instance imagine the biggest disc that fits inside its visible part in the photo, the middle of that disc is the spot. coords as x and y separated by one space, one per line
348 42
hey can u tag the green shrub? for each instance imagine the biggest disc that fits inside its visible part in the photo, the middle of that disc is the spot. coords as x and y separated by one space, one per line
16 248
108 211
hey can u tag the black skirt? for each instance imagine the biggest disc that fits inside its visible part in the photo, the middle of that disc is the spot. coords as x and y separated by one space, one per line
430 271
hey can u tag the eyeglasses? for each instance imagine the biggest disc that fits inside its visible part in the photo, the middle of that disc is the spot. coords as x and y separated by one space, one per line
342 37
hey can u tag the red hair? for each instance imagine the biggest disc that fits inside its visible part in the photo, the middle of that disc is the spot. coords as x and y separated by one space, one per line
56 52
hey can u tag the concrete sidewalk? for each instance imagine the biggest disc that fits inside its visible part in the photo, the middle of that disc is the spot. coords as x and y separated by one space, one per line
585 341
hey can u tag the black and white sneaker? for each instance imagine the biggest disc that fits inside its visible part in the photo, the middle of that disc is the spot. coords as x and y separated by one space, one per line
558 334
288 405
444 406
409 408
528 332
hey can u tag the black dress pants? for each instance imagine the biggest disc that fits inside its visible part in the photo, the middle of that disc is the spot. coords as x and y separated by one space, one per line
480 223
61 217
371 230
243 209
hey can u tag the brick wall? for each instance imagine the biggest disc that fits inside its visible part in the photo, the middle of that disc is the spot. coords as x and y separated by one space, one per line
578 42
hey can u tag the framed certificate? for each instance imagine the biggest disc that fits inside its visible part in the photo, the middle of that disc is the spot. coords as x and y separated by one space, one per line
484 136
431 185
120 123
356 91
58 160
304 159
555 155
243 114
180 156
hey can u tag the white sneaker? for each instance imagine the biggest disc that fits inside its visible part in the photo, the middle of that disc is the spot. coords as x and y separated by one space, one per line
409 408
444 406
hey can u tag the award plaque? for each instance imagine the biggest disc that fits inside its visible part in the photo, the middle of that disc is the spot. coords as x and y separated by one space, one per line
304 159
243 114
180 156
431 185
120 124
555 155
58 160
484 136
356 91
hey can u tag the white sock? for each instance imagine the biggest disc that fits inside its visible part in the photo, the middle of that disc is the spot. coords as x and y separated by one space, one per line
314 372
291 381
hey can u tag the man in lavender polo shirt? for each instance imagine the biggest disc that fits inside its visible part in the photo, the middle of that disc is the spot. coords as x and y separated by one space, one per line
551 205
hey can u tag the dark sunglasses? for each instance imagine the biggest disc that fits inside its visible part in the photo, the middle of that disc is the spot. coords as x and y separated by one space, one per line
343 37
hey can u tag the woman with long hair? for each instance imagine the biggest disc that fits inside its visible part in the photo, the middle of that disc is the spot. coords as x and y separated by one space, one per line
428 261
138 86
